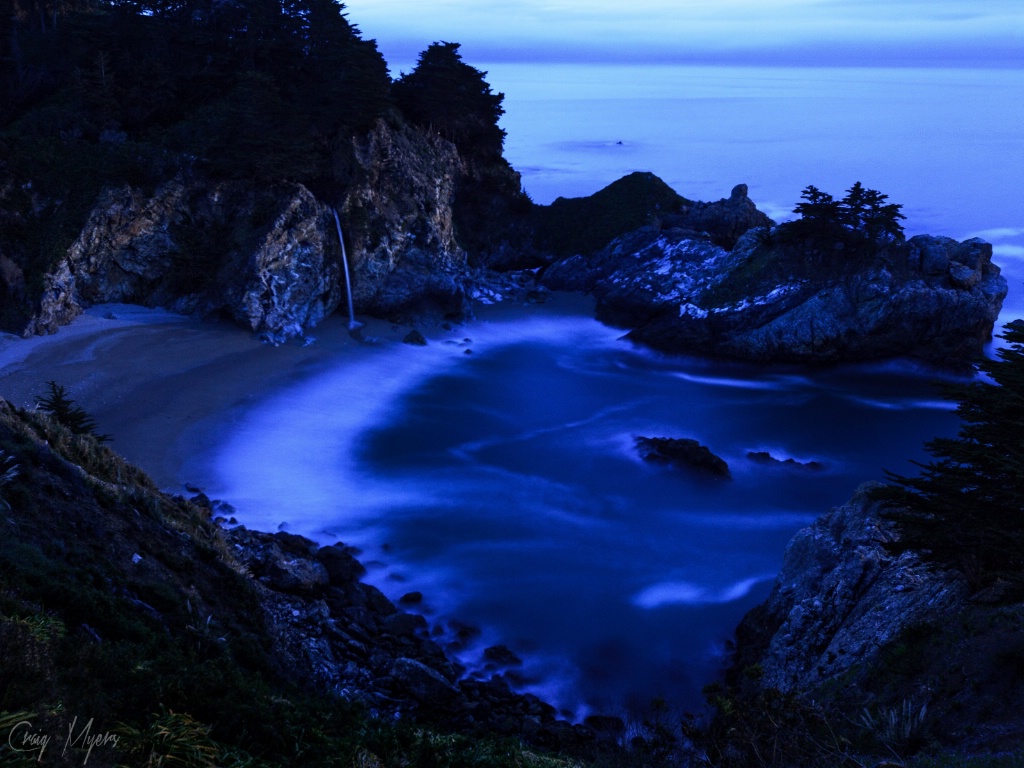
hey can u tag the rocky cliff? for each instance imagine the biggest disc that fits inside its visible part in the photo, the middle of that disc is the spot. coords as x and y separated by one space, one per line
399 213
678 290
268 256
858 630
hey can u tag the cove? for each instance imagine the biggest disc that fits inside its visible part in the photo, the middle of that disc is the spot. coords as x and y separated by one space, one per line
504 485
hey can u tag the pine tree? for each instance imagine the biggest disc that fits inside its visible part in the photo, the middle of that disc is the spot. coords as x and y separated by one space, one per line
451 97
966 508
67 412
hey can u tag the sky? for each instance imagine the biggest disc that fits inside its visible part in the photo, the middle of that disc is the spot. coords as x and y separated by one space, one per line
818 32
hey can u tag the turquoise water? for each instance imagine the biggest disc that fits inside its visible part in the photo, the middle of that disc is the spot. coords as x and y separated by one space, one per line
504 485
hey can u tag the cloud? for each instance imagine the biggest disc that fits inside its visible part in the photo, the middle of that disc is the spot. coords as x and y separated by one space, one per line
688 29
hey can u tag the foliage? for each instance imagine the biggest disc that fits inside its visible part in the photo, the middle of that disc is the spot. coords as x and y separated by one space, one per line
169 739
902 729
67 412
966 508
861 222
452 98
769 730
8 473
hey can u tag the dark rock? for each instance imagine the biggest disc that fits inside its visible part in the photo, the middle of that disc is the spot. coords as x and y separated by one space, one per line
763 457
499 654
293 544
298 575
464 631
400 624
415 338
424 684
585 224
376 600
411 598
725 221
930 298
682 452
342 567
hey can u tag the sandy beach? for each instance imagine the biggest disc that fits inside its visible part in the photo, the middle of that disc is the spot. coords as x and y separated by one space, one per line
168 388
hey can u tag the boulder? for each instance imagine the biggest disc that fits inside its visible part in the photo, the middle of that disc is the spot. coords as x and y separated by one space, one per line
682 452
342 568
424 684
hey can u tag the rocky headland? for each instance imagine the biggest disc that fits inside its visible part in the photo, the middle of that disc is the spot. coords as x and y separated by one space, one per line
760 300
890 651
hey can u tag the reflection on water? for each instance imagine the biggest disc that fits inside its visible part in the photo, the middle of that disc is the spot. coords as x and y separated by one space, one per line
505 487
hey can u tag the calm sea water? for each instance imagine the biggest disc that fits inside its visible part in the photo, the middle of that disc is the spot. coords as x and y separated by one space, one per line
505 486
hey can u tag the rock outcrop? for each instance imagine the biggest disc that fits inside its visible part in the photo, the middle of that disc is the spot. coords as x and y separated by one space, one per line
858 629
682 452
839 599
676 290
398 213
266 258
724 221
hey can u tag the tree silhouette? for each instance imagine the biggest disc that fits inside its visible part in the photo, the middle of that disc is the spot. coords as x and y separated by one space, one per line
452 98
966 508
67 412
862 222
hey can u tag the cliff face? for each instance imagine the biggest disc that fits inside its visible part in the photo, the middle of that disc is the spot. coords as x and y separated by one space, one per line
679 291
266 258
406 259
856 629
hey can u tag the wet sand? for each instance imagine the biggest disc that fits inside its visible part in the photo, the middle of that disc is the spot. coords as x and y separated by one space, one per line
167 389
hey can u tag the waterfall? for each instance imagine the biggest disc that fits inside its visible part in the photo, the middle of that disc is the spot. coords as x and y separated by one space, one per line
353 324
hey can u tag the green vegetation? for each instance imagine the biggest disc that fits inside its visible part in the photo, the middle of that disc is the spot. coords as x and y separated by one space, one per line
860 224
68 413
448 96
965 510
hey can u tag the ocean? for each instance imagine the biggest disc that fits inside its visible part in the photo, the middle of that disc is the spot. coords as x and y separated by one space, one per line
505 485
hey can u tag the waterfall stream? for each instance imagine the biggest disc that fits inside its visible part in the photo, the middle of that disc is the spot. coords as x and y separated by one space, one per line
353 324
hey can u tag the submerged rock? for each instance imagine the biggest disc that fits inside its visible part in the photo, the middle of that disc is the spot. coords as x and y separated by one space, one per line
682 452
415 338
764 457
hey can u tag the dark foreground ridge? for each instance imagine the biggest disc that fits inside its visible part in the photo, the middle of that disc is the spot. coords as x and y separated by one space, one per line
121 604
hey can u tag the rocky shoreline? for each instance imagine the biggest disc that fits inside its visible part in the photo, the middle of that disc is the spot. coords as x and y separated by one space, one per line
344 638
713 279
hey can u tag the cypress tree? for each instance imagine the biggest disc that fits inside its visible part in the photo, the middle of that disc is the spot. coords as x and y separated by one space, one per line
451 97
965 509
